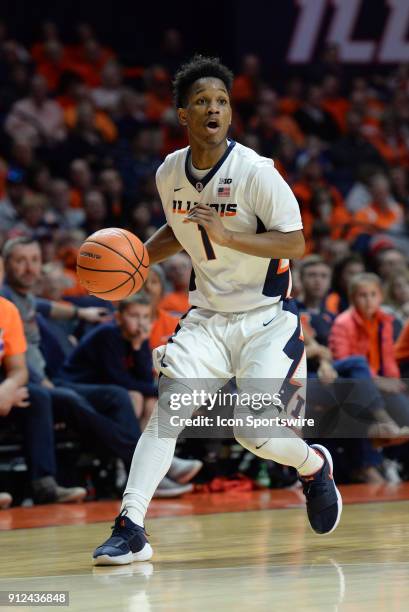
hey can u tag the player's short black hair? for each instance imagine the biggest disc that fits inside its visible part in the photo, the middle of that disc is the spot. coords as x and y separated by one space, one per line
199 67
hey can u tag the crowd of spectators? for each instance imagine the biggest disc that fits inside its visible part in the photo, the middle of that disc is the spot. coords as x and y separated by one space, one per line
82 135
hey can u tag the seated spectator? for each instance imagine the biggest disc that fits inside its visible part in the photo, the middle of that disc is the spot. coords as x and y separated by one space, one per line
337 300
268 124
400 185
87 139
352 151
388 262
112 187
178 269
54 63
119 354
81 180
65 217
366 330
85 118
312 179
332 390
96 212
246 84
37 117
48 32
397 295
390 141
140 160
107 96
313 119
101 413
324 209
30 409
130 114
33 222
382 215
163 324
335 104
12 202
158 92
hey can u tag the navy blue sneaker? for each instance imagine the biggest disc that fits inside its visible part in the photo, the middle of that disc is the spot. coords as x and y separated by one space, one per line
324 501
127 543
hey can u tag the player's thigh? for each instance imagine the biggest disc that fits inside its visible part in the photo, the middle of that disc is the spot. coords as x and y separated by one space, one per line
272 359
196 351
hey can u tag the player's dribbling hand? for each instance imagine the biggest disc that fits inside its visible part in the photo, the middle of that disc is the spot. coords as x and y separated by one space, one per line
209 219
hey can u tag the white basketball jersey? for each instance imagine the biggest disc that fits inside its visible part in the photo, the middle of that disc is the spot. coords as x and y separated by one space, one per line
250 196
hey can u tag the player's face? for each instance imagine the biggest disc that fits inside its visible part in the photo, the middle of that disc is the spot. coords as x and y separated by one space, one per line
367 299
135 320
207 115
23 267
316 281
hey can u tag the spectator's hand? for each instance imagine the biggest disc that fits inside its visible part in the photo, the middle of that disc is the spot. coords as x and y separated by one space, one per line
323 353
46 382
20 398
326 373
94 314
317 351
390 385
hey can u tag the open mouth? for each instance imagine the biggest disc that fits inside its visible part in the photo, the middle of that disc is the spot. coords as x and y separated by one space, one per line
212 125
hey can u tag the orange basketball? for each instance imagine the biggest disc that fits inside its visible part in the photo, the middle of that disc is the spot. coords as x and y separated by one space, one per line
112 264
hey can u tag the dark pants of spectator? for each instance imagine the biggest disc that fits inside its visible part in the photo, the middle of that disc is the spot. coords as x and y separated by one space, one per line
112 401
397 405
75 410
37 426
345 408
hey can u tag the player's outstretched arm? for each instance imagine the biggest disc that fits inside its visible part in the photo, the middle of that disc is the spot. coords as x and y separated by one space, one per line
162 244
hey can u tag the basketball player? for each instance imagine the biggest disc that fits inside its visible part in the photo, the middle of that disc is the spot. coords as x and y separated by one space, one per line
240 223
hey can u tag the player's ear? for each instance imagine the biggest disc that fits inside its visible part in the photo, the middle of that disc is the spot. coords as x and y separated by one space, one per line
182 116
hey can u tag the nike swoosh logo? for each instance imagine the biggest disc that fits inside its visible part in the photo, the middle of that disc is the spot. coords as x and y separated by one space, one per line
177 188
268 322
257 447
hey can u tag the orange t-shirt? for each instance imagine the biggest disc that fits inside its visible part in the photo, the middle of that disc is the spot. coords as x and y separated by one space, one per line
176 303
12 338
162 328
374 219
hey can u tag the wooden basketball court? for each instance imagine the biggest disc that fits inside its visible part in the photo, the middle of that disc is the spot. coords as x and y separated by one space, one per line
219 552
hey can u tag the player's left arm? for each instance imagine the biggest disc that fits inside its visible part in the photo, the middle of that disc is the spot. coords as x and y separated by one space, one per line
275 206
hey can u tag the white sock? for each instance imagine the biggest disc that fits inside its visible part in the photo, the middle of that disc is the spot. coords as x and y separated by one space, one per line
287 449
152 457
150 463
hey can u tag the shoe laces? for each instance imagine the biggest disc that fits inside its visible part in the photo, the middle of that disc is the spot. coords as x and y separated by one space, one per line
119 528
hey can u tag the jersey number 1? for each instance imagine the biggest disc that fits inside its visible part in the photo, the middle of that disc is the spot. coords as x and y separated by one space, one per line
210 254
